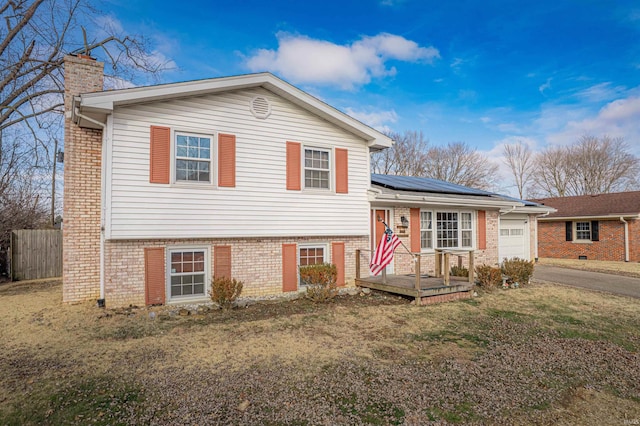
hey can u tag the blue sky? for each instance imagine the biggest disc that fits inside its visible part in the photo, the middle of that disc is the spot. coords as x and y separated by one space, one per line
482 72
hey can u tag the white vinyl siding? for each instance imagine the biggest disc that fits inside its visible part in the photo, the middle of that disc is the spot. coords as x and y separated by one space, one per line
259 205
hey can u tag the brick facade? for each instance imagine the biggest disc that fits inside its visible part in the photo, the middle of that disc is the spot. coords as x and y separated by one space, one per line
403 262
82 174
255 261
552 242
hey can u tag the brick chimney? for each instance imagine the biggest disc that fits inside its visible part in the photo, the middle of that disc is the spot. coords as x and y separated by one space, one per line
82 189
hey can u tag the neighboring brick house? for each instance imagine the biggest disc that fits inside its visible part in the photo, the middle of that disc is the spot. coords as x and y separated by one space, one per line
592 227
169 186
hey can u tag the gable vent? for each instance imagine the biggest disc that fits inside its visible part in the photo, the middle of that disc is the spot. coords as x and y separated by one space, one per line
260 107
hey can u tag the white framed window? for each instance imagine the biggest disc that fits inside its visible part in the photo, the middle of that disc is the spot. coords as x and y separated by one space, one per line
426 230
583 231
317 168
188 272
466 230
193 157
447 226
312 254
453 229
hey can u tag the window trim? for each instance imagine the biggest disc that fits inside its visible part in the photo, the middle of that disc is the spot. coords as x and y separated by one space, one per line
434 230
213 149
325 255
330 169
207 274
575 232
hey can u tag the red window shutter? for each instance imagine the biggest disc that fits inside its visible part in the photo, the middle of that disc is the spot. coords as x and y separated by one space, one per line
482 230
222 261
342 171
226 160
154 270
293 166
160 154
414 230
337 258
289 267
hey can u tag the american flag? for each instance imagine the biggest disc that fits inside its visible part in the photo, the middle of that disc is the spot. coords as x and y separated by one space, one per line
384 252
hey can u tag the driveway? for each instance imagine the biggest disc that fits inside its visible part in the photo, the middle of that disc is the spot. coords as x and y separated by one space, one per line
617 284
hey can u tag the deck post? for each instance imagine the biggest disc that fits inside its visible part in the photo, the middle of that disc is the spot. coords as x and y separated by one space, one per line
384 275
417 268
438 263
357 264
471 266
446 268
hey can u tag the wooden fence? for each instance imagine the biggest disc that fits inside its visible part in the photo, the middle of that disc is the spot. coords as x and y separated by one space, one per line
36 253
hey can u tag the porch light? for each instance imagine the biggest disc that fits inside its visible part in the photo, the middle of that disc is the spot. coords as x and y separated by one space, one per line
404 221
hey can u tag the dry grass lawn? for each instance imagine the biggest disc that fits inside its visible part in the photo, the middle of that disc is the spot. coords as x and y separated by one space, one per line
631 269
542 354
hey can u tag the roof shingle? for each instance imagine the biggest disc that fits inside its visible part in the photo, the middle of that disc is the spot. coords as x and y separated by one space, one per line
614 204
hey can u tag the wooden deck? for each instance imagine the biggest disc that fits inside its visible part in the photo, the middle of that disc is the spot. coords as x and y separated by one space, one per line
426 289
406 285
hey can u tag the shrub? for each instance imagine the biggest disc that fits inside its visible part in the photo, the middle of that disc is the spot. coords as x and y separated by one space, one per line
320 280
517 270
488 277
224 291
459 271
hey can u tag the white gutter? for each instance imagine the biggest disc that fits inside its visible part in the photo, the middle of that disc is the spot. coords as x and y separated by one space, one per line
626 238
417 199
508 211
102 192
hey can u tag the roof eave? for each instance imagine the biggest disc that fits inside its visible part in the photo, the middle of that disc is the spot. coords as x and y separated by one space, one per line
101 104
592 217
460 201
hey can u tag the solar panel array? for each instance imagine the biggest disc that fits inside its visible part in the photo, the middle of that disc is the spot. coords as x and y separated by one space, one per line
422 184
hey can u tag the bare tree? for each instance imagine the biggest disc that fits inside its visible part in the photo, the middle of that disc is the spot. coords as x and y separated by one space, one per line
35 36
406 157
590 166
520 160
458 163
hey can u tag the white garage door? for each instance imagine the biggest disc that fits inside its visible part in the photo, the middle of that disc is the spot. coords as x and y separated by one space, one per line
514 239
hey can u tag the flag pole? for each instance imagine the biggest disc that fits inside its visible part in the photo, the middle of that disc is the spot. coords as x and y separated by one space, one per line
388 228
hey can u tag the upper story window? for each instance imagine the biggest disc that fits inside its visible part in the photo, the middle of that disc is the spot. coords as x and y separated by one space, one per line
193 157
583 231
317 172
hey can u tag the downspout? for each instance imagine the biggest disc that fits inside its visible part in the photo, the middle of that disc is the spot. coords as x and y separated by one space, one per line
101 301
536 234
508 211
626 238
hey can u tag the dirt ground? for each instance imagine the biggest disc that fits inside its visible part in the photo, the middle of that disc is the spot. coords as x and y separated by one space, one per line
541 354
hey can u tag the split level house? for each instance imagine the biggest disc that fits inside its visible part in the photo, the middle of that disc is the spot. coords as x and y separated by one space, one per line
169 186
592 227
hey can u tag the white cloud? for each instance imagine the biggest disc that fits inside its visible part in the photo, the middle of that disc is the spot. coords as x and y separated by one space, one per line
545 86
305 60
600 92
618 118
379 120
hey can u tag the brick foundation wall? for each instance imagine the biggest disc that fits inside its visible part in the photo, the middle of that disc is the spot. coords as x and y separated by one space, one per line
403 262
255 261
82 174
552 244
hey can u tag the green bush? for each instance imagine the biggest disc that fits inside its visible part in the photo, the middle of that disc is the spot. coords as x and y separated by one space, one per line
518 271
459 271
320 280
488 277
224 291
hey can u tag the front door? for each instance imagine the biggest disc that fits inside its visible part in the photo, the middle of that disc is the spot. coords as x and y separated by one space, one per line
377 229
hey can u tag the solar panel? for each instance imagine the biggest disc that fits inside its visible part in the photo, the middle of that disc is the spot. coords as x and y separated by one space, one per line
421 184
